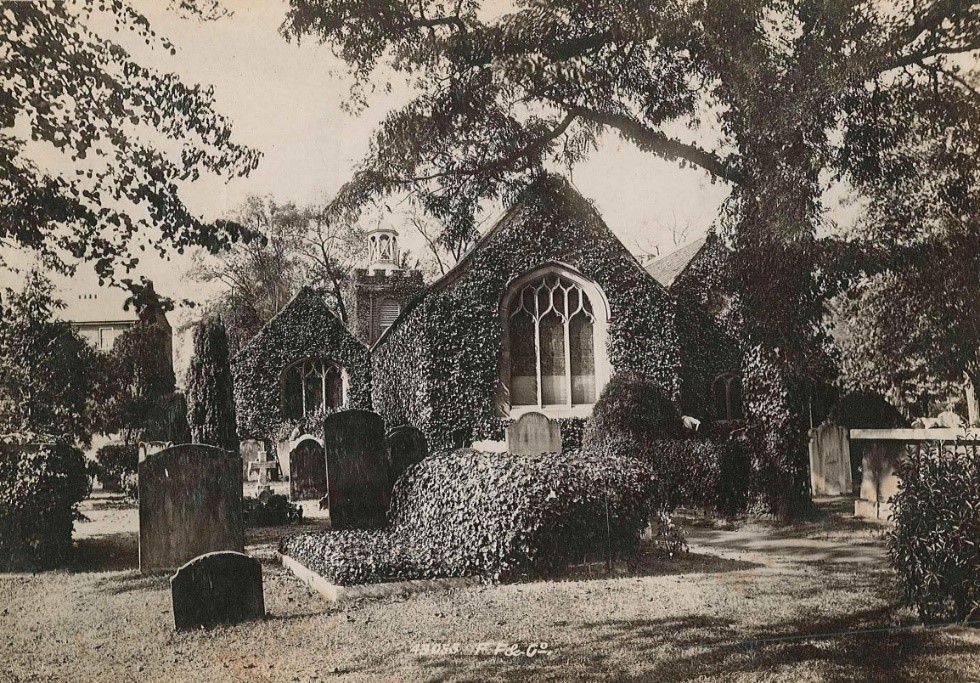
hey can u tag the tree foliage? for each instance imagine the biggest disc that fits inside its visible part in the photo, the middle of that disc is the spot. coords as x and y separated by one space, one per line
210 396
776 97
51 380
127 137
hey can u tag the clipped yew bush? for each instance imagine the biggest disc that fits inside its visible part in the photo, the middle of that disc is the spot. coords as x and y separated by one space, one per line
935 544
632 410
115 461
497 516
41 486
699 473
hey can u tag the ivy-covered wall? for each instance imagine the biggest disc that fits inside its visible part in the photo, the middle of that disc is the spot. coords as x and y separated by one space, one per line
709 345
305 328
438 366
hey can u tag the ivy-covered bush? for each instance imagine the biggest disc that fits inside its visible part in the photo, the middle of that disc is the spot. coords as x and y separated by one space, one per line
700 473
276 510
210 391
41 486
631 411
935 545
493 515
115 461
305 328
438 367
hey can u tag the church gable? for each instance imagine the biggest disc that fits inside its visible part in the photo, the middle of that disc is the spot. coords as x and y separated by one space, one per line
304 362
460 359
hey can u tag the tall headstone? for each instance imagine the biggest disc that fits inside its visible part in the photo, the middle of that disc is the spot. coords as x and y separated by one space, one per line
406 447
533 434
358 481
146 448
830 461
307 471
252 450
190 499
217 588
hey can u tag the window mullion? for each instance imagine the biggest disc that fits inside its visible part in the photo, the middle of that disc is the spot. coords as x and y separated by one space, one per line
537 357
568 352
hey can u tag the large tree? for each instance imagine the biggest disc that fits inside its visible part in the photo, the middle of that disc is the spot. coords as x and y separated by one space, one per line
125 137
51 380
773 97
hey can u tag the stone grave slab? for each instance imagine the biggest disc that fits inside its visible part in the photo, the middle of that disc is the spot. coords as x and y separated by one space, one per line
252 451
406 447
533 434
190 503
830 461
307 471
217 588
358 481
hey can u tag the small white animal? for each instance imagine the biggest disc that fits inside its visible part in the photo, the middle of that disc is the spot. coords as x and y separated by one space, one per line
691 423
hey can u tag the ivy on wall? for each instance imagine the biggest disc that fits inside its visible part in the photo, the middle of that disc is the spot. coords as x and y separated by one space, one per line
305 328
437 368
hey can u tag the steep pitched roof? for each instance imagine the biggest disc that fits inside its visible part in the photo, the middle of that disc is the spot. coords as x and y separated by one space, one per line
667 268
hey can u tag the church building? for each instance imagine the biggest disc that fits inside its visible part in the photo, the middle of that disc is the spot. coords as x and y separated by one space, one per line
537 316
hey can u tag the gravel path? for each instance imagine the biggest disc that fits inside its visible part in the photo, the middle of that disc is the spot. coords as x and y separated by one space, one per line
759 603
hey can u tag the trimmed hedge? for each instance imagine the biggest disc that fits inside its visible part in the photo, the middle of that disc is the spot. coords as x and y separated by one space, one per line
437 368
703 474
41 486
305 328
632 409
935 545
493 515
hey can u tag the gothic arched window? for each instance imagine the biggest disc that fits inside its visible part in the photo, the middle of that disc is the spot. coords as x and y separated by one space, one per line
554 322
726 396
310 385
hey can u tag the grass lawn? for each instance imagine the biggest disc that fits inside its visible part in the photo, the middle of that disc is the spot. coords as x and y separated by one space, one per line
810 602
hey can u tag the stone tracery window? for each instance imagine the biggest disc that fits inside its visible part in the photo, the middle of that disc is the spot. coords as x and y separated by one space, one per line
726 394
310 385
551 330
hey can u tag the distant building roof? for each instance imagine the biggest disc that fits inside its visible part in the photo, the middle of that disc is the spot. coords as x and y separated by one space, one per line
99 305
666 268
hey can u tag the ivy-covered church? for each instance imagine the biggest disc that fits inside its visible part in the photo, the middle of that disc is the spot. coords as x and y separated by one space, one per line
536 317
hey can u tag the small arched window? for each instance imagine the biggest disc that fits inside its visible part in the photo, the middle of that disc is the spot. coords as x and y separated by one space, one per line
554 343
310 385
726 395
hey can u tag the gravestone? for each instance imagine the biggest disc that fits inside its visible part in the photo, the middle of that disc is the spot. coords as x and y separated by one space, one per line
406 447
150 447
252 450
190 500
830 461
307 471
533 434
217 588
358 481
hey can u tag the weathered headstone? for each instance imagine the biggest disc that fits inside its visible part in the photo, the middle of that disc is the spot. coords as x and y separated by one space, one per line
252 450
533 434
190 499
216 588
406 447
358 481
307 471
146 448
830 461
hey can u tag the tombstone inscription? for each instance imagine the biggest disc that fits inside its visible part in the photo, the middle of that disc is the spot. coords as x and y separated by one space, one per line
307 470
533 434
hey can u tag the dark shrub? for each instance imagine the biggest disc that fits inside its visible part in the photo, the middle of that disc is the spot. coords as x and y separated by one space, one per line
115 461
866 410
40 488
276 510
498 516
712 475
632 409
935 545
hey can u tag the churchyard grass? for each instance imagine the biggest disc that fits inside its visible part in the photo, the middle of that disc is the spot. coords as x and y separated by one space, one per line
812 601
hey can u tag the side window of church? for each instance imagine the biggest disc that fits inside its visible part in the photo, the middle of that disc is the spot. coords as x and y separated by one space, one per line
726 394
310 385
552 352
